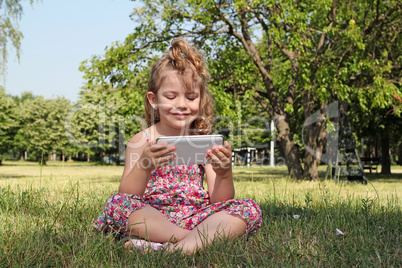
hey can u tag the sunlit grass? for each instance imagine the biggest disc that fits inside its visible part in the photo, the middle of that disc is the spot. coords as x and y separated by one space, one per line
46 215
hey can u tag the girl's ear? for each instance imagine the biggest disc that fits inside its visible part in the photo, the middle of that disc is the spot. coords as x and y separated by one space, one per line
152 99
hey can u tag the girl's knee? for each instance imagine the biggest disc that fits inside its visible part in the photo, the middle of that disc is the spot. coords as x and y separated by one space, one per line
139 214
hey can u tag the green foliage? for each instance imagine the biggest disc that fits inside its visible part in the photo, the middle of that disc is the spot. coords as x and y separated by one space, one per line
296 57
103 121
41 128
100 123
8 126
232 84
350 64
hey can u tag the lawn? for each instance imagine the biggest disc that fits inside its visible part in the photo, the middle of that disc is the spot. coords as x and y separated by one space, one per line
46 215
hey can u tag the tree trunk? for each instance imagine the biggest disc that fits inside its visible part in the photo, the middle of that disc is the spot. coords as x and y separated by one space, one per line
42 159
291 155
316 142
316 136
277 111
400 155
310 170
385 157
284 138
88 159
118 159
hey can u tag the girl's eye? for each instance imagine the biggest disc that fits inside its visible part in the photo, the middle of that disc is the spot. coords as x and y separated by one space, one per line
170 97
192 97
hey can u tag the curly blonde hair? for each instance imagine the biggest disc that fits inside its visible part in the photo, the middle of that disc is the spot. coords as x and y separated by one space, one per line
189 65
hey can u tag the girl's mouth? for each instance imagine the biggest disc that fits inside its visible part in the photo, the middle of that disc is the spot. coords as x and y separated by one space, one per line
180 115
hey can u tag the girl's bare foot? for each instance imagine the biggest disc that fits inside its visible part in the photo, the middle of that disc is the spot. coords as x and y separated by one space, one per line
142 245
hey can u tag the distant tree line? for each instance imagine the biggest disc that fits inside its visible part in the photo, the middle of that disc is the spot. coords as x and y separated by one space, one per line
39 129
99 125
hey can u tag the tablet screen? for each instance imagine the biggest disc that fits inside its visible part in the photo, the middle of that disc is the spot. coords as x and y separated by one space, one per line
191 149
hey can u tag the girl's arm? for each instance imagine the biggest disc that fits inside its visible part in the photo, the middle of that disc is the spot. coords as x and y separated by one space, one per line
219 174
141 159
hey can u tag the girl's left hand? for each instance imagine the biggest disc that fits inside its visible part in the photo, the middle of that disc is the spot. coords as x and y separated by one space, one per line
220 158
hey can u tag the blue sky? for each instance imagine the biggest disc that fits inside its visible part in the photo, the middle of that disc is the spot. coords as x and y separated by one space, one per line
58 36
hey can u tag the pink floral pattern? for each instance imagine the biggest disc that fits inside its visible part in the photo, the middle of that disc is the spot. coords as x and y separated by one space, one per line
178 193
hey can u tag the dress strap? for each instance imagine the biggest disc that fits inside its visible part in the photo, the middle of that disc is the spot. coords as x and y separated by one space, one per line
146 135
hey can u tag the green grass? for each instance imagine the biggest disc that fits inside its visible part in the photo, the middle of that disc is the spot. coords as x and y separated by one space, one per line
46 215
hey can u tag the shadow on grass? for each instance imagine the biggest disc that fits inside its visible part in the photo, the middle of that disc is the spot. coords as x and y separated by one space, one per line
19 163
397 177
112 179
12 176
261 169
267 174
257 177
374 177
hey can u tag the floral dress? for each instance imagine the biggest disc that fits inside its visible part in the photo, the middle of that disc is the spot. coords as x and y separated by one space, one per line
178 193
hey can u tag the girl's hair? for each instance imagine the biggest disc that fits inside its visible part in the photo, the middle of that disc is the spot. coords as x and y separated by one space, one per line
188 64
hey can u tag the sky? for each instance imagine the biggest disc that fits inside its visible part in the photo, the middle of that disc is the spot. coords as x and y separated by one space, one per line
58 36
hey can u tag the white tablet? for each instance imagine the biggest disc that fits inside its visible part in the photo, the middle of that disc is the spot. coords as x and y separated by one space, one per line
191 149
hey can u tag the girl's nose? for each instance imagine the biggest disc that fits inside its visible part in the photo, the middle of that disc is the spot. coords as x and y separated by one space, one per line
181 103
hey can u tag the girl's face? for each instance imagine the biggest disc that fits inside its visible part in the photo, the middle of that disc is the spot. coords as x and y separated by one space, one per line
178 107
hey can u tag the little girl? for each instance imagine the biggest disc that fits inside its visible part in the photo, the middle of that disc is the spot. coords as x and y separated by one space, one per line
168 204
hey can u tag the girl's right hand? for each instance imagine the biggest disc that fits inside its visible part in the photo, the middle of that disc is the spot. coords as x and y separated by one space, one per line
156 155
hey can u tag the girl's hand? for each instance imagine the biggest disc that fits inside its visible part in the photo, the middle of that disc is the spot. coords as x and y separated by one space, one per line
155 155
220 159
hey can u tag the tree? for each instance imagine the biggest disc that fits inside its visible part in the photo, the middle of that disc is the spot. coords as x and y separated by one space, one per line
381 133
42 126
9 32
307 54
221 23
348 63
19 141
8 126
368 71
100 122
233 80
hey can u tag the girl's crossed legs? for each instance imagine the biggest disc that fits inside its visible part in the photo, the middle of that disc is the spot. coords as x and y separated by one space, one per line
148 222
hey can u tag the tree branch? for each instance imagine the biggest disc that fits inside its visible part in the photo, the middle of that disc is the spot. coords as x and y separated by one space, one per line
331 16
382 19
266 29
295 69
261 97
